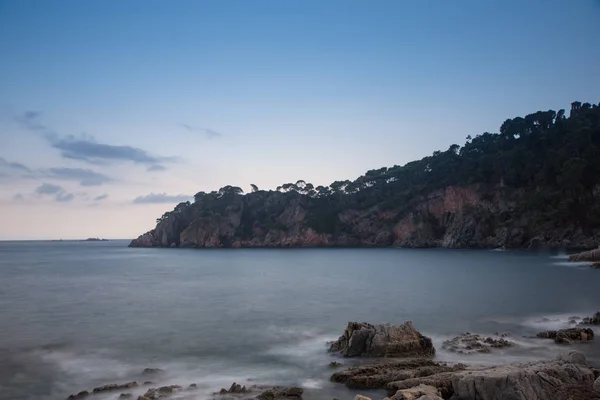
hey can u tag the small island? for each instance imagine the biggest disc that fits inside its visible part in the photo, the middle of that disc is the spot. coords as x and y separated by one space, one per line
95 240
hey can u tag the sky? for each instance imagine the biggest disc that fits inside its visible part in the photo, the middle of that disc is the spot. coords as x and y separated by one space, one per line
112 112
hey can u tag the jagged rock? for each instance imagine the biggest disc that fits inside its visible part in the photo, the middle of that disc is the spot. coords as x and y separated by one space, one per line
234 388
593 320
470 343
420 392
80 395
591 255
375 376
566 336
125 396
531 381
597 385
335 364
364 339
152 371
115 386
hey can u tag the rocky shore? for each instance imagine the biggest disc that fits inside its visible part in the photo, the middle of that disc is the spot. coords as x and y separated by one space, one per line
402 362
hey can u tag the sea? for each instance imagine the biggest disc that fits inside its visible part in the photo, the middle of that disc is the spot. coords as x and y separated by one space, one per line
76 315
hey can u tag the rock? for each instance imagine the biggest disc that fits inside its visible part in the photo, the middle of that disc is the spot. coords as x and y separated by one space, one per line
363 339
125 396
593 320
591 255
80 395
234 388
417 392
148 383
280 393
531 381
566 336
361 397
152 371
335 364
573 357
114 386
470 343
193 386
597 385
595 265
375 376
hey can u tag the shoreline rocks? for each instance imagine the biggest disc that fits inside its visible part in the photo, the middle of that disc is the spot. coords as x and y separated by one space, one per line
471 343
567 336
590 255
366 340
593 320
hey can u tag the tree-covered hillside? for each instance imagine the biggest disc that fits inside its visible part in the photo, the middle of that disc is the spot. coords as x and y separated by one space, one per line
546 164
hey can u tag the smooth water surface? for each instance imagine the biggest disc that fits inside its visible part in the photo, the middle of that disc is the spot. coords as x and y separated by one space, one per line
75 315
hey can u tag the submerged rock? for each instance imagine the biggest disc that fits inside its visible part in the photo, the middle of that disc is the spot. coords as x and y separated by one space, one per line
567 336
114 386
364 339
152 371
470 343
80 395
278 393
125 396
335 364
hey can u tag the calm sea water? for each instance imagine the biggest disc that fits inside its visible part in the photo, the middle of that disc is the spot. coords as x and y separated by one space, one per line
74 315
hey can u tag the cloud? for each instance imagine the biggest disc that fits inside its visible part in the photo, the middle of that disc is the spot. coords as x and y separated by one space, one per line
48 188
101 197
156 167
158 198
59 193
86 148
86 177
209 133
30 120
14 166
64 197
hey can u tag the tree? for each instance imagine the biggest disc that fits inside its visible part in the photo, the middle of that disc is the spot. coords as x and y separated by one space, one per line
254 188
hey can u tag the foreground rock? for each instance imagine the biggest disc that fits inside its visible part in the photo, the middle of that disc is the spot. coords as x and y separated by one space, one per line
567 336
281 393
375 376
364 339
591 255
471 343
557 380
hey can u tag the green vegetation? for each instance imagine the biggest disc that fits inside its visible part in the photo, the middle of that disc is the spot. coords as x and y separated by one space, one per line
551 161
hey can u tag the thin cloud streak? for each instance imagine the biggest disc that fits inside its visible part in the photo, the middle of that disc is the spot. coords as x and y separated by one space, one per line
161 198
209 133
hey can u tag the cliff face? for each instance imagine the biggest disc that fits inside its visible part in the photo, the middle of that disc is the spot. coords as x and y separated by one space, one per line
454 217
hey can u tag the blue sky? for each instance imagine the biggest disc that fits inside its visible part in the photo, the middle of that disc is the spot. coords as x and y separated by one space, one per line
113 111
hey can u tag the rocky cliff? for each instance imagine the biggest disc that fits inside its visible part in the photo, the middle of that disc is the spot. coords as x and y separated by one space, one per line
454 217
536 183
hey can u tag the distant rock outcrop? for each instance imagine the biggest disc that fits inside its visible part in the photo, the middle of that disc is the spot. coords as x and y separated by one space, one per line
364 339
567 336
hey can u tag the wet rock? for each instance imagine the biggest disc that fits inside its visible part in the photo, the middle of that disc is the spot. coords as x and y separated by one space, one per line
148 383
530 381
597 385
361 397
280 393
593 320
115 386
591 255
80 395
470 343
567 336
125 396
193 386
163 391
421 392
364 339
573 357
234 388
152 371
335 364
376 376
